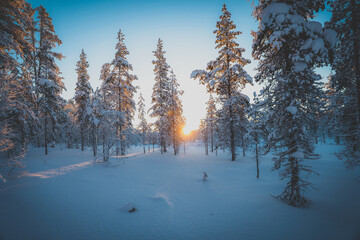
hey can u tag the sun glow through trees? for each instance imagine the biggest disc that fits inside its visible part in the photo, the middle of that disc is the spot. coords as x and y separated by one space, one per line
187 130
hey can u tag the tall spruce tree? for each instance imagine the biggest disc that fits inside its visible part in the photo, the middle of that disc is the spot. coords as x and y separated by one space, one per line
143 126
104 95
345 81
226 77
175 115
83 92
120 85
257 128
49 85
160 95
14 87
288 46
211 120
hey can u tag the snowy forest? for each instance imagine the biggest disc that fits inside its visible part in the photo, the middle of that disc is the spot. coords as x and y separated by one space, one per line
106 157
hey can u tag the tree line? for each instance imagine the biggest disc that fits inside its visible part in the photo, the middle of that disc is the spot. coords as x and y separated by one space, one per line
294 108
287 118
34 113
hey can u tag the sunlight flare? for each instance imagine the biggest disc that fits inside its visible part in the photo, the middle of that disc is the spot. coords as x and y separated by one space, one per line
187 130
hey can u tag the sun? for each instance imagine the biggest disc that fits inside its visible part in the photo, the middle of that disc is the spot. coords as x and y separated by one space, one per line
186 130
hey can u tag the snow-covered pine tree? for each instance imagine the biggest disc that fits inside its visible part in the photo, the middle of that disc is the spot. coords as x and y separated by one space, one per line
49 85
14 21
160 95
71 131
104 111
95 114
257 128
17 119
334 99
121 88
204 134
345 80
143 126
28 123
13 44
241 103
83 92
288 46
31 52
211 120
175 115
226 77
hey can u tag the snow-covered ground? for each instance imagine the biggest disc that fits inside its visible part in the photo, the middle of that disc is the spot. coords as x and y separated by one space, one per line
66 196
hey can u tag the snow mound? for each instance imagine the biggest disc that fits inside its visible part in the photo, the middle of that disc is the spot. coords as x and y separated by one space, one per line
162 197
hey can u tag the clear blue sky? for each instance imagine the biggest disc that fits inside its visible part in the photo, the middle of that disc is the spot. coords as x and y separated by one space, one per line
186 27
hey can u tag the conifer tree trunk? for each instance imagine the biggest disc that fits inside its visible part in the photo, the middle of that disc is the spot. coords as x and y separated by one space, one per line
94 141
232 135
174 143
356 39
103 137
164 142
122 142
82 138
206 147
45 134
173 133
257 156
212 137
119 133
144 144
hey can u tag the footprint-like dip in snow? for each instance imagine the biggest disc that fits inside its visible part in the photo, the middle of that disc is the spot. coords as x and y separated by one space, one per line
162 197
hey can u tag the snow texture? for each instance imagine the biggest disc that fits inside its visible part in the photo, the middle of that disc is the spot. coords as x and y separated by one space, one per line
65 196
